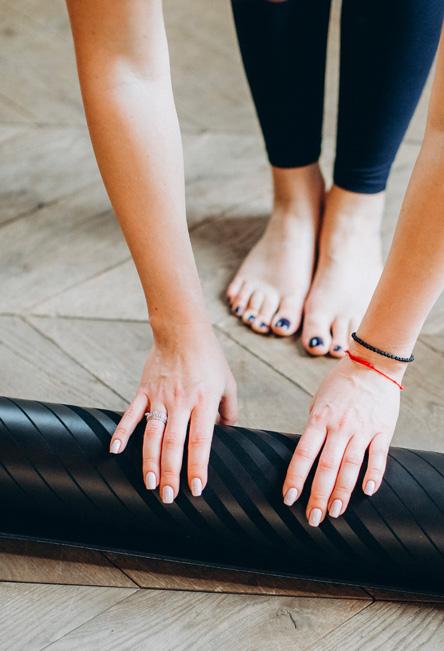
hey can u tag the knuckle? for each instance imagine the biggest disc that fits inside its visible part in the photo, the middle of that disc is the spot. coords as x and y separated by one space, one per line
304 453
316 416
120 431
150 462
196 469
169 476
171 441
326 464
199 439
353 459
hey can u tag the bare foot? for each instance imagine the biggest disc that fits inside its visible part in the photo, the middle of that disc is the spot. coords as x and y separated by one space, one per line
269 290
347 271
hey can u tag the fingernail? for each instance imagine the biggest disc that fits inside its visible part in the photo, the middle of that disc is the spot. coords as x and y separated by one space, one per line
151 481
316 341
115 446
196 487
315 517
335 508
337 347
282 323
370 487
290 496
167 495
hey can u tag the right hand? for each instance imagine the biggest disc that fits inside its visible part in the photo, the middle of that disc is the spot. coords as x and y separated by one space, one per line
187 378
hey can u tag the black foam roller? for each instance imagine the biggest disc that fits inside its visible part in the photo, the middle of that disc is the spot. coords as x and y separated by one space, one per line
59 483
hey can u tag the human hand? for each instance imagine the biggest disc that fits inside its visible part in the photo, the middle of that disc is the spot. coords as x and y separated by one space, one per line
354 409
186 378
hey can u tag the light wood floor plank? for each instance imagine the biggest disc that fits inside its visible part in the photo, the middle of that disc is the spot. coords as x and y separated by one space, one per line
389 626
151 619
115 353
34 616
36 369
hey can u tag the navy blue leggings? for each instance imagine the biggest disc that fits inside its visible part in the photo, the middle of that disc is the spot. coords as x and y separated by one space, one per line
387 49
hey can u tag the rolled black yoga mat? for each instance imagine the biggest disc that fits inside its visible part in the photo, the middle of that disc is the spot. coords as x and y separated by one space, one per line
58 483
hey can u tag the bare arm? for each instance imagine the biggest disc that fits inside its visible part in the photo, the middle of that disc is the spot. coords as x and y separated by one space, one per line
356 409
123 65
413 276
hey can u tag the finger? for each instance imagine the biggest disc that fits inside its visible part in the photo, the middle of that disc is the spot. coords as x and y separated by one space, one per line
303 458
325 476
127 424
172 453
228 408
347 476
152 445
199 446
377 461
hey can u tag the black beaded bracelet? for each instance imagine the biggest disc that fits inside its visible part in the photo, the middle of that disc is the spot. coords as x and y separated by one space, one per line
379 351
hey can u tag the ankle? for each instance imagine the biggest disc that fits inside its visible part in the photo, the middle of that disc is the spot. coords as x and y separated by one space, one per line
297 189
355 204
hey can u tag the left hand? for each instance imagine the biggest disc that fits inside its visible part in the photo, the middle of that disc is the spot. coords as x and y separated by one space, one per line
354 408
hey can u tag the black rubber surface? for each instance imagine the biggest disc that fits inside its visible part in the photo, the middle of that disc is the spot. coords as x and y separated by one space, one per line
58 483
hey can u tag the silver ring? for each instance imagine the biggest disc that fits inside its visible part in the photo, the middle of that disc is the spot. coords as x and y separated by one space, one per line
156 415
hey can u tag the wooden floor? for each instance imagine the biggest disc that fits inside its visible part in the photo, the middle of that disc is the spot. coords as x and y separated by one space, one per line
73 329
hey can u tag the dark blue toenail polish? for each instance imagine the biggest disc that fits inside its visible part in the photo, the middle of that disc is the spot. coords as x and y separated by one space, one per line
282 323
237 310
337 347
251 318
264 325
316 341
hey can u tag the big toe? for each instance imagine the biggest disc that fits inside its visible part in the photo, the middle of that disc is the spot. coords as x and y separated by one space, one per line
287 318
316 337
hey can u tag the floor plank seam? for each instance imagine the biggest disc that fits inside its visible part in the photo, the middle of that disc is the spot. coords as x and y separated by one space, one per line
90 619
97 274
73 359
219 327
339 626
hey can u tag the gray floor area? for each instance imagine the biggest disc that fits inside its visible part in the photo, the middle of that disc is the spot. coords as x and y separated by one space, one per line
73 328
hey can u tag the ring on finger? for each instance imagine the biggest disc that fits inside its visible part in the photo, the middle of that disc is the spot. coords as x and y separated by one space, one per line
156 415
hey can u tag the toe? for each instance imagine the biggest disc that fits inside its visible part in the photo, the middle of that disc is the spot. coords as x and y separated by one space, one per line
241 299
233 289
287 318
253 307
265 315
316 337
340 333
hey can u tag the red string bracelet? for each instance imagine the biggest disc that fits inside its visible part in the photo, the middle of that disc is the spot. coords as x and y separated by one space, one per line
364 362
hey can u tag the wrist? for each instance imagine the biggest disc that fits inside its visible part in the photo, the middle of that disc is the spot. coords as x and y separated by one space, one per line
181 330
391 367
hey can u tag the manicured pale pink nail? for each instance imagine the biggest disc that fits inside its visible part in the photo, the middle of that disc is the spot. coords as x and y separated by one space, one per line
370 487
167 495
290 496
115 446
151 481
315 517
335 508
196 487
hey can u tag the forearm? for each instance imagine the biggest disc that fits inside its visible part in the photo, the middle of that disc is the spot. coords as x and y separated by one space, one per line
413 277
135 134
